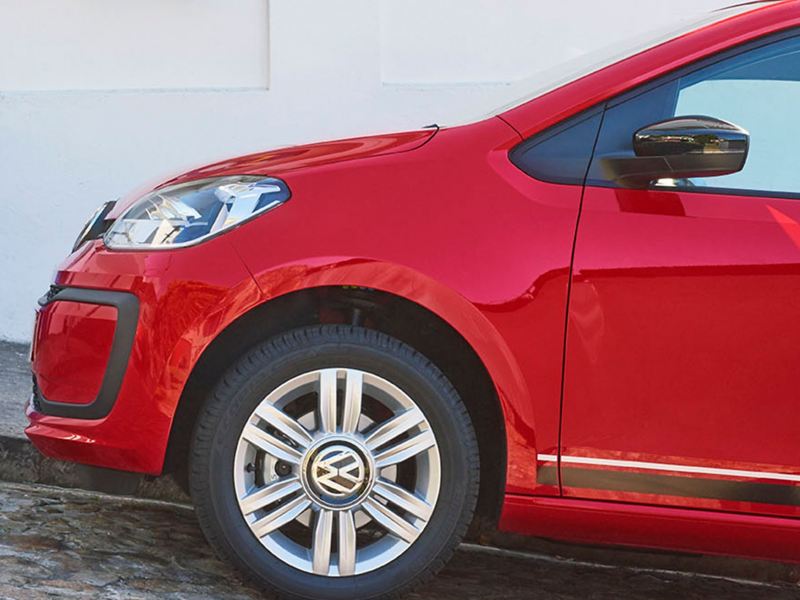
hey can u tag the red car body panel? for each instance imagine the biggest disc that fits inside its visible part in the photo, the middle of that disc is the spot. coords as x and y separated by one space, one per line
444 219
681 529
694 315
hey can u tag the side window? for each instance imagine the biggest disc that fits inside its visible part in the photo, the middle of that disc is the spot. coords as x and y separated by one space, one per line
562 153
759 90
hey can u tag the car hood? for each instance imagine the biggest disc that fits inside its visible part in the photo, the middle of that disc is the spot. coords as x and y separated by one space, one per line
283 160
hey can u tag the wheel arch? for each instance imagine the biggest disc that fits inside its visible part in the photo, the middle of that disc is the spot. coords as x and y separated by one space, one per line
464 345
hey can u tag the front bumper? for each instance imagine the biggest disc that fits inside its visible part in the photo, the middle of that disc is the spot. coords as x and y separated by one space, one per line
115 343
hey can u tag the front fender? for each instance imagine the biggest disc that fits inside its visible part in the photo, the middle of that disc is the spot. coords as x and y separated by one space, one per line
447 304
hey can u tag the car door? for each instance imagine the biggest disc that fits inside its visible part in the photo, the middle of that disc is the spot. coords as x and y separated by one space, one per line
682 370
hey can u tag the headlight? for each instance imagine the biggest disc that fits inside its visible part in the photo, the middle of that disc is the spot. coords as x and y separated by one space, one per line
187 213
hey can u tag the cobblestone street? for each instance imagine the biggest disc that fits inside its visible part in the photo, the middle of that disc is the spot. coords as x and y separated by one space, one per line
63 543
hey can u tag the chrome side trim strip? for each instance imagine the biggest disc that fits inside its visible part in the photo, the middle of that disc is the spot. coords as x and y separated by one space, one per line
651 466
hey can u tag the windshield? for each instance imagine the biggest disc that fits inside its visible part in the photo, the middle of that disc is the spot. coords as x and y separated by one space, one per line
559 74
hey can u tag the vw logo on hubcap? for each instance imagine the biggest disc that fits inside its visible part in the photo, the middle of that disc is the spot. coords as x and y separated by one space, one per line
338 471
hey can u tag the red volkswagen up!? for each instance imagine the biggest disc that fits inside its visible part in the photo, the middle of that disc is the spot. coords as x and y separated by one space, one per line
578 318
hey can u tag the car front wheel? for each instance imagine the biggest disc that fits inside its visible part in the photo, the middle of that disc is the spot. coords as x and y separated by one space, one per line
335 462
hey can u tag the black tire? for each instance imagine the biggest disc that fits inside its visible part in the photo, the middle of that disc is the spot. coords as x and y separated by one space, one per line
276 361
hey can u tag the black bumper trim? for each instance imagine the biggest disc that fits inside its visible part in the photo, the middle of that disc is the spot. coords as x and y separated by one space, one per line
127 306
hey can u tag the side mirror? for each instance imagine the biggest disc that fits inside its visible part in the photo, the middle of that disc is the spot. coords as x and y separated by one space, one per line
681 148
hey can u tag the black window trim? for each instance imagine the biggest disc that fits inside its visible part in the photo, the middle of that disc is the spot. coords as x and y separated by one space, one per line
683 71
644 88
552 131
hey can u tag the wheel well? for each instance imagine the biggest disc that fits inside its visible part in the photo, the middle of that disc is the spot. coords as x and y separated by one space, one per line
390 314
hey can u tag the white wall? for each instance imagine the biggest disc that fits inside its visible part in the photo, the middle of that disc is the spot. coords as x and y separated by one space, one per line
97 96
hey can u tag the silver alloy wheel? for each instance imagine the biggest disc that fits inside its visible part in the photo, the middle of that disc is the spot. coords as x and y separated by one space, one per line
337 472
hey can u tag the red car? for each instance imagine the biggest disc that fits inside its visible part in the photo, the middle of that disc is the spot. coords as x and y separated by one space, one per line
578 318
